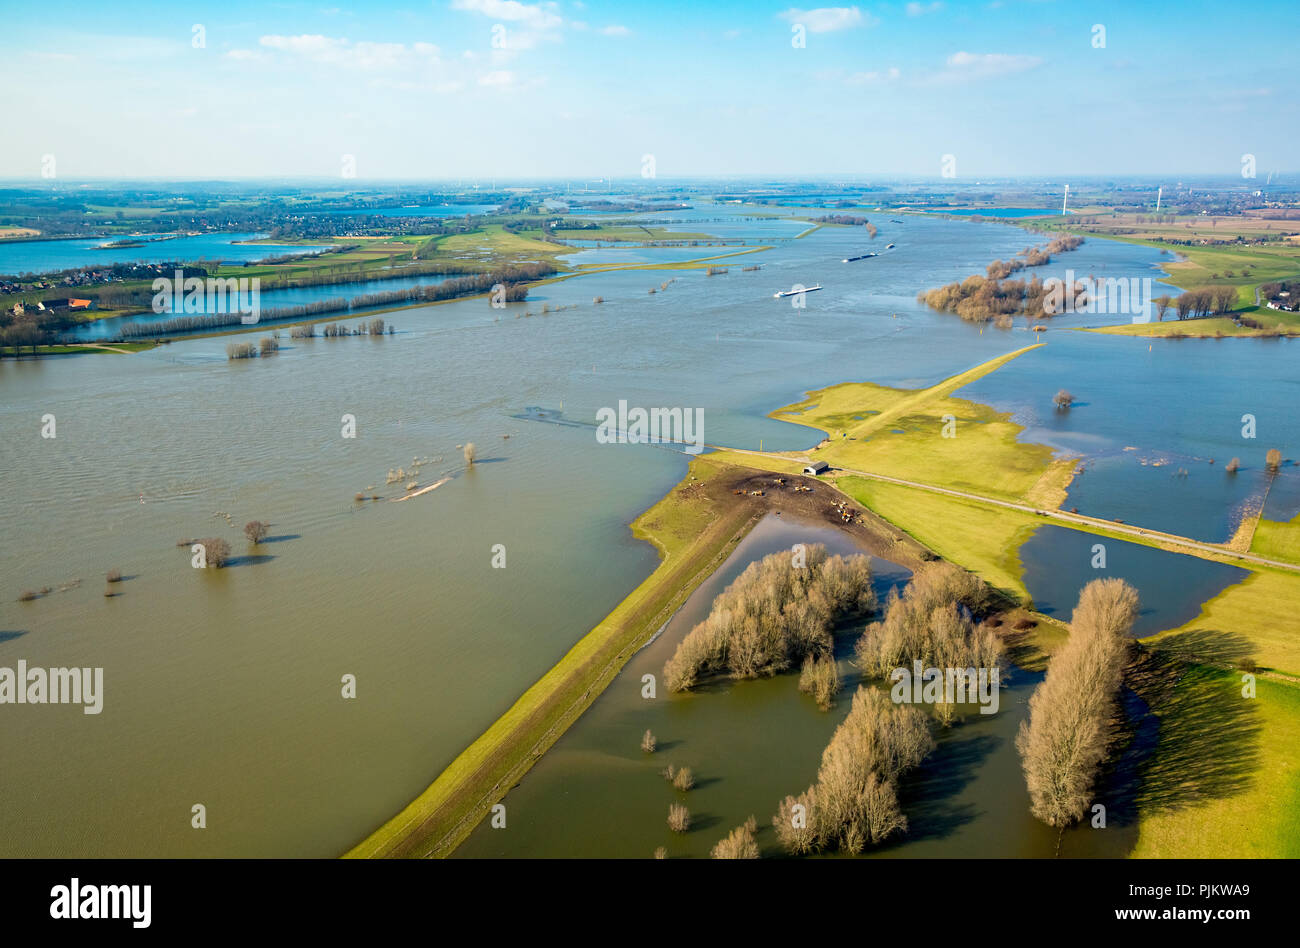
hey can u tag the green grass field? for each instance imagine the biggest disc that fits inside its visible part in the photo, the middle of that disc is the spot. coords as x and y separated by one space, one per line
983 539
1262 613
900 433
1277 540
494 244
1224 779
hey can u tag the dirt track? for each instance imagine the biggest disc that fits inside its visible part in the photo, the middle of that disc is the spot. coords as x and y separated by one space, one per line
817 505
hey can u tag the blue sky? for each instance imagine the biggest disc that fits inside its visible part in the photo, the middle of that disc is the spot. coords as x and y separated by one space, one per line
477 89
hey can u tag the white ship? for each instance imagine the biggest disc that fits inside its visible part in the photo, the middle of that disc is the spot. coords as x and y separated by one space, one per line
807 289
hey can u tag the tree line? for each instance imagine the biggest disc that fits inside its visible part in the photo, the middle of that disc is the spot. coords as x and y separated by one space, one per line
1073 712
511 277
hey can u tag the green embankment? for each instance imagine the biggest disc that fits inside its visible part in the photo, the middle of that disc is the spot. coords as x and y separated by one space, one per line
121 348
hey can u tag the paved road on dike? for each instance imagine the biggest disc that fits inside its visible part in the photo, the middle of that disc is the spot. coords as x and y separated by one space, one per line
1061 515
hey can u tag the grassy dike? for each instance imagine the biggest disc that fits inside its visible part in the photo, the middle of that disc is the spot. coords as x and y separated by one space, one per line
78 348
694 529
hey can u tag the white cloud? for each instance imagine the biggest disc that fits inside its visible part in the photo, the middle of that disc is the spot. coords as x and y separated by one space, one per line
344 53
920 9
828 19
873 76
536 16
499 78
616 30
963 66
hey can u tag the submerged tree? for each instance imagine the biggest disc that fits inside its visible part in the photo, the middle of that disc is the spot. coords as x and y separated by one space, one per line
854 802
679 818
739 844
1062 399
820 678
684 779
779 611
216 552
255 530
933 622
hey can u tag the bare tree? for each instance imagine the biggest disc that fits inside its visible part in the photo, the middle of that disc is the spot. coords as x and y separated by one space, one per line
932 622
679 818
470 452
820 678
739 844
1273 460
854 801
683 779
797 823
779 611
255 530
1069 732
